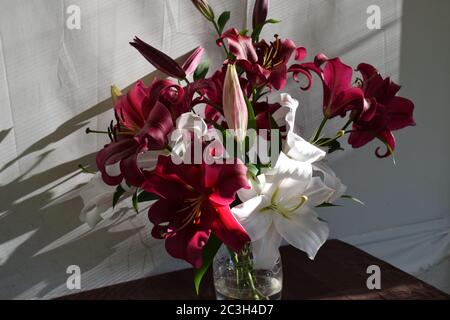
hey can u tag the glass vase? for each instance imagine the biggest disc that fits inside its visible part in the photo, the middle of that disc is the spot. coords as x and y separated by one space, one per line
235 277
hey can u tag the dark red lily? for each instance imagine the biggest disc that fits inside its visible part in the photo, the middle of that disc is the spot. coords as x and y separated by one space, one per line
385 112
264 64
195 202
339 94
166 64
143 124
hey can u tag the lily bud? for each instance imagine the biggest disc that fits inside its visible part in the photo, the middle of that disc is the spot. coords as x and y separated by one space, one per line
234 105
115 94
158 59
191 63
260 12
205 9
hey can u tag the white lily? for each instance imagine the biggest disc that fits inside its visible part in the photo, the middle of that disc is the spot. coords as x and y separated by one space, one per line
301 150
279 204
282 210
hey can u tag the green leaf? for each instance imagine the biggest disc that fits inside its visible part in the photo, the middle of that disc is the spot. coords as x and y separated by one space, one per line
135 202
272 21
145 196
327 205
331 144
223 20
202 70
257 32
353 199
117 195
243 32
209 252
251 115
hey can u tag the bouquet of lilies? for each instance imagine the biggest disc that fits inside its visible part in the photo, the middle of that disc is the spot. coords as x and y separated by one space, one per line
218 154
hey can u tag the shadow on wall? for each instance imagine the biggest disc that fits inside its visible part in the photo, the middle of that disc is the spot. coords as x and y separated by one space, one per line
36 220
46 223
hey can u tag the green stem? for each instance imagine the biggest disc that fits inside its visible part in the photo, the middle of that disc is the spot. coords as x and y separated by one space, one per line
320 129
339 135
219 33
349 122
245 278
89 131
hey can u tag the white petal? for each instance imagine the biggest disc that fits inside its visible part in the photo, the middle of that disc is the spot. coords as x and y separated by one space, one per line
252 219
318 193
303 230
193 123
331 181
301 150
266 250
287 113
257 187
288 175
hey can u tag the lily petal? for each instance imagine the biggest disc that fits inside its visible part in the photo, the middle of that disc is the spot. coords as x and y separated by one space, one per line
250 216
318 192
241 46
191 64
227 228
158 59
301 150
331 181
266 251
303 230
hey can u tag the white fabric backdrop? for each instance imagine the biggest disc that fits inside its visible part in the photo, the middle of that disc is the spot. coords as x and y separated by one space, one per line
50 77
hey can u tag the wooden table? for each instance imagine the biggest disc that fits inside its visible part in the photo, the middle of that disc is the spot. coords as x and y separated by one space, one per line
339 272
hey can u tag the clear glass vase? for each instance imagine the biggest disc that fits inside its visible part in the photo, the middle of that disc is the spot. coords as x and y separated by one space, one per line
235 278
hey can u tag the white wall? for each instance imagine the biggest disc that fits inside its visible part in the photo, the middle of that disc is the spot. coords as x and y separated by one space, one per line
50 78
407 209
